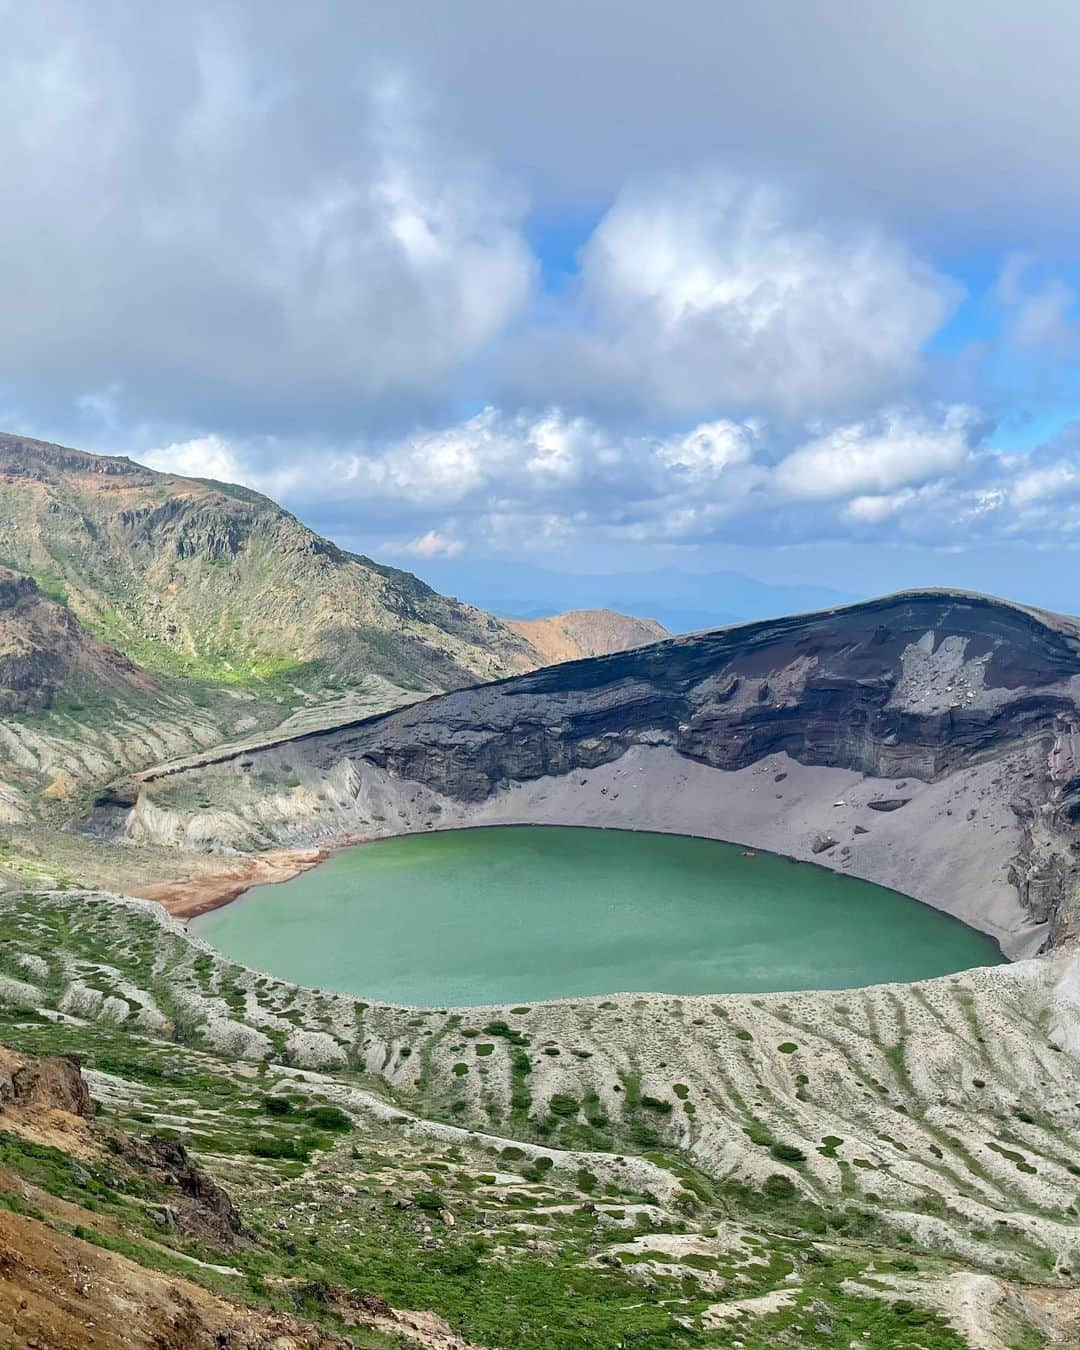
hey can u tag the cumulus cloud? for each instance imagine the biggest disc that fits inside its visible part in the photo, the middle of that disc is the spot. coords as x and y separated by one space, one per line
216 234
1045 482
513 482
708 450
704 291
430 544
876 458
874 508
201 457
868 102
273 245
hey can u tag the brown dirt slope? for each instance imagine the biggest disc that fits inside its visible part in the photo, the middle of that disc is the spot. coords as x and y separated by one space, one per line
59 1291
586 632
63 1293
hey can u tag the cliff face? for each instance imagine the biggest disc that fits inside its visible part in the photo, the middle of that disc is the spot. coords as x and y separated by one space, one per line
931 742
914 684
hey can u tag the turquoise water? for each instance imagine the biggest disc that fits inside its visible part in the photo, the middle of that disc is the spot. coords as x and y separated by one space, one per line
519 913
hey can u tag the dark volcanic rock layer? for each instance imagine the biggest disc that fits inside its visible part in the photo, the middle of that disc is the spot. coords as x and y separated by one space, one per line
851 687
912 689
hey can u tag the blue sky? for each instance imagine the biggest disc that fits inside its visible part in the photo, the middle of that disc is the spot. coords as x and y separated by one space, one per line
603 290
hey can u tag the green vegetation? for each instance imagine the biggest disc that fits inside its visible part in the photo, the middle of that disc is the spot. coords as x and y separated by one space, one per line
506 1228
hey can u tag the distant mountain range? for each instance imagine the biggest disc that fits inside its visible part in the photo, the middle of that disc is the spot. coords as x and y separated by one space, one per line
683 602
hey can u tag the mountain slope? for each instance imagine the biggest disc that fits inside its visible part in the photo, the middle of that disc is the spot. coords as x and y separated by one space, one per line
215 581
586 632
74 710
45 650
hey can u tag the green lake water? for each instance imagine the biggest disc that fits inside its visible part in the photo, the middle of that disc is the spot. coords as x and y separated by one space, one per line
519 913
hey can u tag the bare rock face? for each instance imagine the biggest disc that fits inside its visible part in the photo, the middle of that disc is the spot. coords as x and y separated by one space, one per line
198 1207
33 1087
840 687
47 1083
916 686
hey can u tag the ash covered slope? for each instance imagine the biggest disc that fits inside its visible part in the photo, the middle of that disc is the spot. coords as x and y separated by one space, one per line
208 579
929 741
918 683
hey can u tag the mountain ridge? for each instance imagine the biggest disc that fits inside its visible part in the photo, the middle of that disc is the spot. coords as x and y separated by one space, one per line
216 581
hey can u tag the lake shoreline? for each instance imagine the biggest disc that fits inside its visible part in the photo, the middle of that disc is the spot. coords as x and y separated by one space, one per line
190 896
645 908
953 843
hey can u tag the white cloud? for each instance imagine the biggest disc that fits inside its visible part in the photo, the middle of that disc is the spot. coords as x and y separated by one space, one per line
698 292
865 458
1047 482
430 544
710 449
202 457
214 237
538 483
874 509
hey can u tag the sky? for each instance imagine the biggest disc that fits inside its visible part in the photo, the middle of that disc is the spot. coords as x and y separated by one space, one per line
789 287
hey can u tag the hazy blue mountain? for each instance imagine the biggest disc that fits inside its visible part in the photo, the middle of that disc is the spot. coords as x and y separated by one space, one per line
682 601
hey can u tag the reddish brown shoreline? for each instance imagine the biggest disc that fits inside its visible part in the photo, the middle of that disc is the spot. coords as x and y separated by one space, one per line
188 897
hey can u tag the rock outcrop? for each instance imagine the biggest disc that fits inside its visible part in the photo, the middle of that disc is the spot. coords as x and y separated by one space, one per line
915 684
30 1083
197 1206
